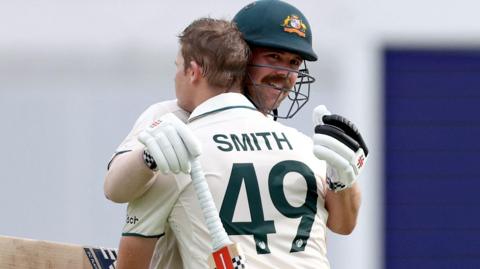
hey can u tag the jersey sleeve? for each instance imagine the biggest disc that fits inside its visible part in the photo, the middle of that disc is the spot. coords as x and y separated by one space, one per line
131 142
147 216
152 113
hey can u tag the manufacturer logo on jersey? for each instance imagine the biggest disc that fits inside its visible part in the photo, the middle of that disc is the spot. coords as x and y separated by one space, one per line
293 24
132 219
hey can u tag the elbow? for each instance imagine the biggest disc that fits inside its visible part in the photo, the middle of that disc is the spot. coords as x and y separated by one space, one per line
345 230
348 229
113 194
114 198
342 229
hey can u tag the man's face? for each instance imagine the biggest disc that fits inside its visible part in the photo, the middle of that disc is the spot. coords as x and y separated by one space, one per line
268 96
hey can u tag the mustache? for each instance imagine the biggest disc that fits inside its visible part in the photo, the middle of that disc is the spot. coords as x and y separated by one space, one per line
280 82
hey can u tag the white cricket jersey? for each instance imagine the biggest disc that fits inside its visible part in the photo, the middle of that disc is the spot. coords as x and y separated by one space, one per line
166 253
266 183
151 114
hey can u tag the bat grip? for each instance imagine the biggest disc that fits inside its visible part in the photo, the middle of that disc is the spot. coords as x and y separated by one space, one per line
210 213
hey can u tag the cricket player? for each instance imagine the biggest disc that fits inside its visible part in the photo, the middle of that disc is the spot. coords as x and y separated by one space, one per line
264 177
266 182
265 83
201 74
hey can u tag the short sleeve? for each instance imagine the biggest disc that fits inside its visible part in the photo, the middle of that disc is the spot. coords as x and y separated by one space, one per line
147 216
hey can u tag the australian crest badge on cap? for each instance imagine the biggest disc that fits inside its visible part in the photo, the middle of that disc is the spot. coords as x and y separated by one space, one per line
293 24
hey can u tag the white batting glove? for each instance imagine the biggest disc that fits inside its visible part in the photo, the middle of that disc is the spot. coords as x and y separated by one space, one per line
170 143
338 142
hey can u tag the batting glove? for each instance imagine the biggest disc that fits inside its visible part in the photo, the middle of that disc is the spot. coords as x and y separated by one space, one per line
170 143
338 142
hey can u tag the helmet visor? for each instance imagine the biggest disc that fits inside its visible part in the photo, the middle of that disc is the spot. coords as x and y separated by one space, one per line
276 96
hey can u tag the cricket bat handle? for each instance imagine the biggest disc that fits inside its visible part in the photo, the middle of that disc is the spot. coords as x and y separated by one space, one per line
210 213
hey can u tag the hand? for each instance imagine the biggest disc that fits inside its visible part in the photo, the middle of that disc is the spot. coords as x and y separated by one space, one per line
338 142
171 144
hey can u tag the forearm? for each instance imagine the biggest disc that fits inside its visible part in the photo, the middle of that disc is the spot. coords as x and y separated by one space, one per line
128 177
343 207
135 252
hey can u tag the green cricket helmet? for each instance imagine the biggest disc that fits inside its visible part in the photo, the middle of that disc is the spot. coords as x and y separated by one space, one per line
276 24
279 25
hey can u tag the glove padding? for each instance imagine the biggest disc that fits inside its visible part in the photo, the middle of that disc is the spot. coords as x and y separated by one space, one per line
338 142
171 143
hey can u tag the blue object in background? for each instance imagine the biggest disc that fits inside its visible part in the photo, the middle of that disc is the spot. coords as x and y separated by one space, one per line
432 142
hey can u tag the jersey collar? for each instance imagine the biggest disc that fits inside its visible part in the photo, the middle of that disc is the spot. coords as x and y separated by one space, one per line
221 102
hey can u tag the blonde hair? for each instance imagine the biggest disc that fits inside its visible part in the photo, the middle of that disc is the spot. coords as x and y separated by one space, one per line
219 48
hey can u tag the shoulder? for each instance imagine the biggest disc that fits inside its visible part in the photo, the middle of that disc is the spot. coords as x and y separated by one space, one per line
165 106
157 110
293 131
162 108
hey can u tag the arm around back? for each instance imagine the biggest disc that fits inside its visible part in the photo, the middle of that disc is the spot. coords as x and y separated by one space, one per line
128 177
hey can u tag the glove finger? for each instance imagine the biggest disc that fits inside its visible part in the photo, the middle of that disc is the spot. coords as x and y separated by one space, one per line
143 137
348 127
318 114
179 148
167 150
342 166
331 157
151 144
335 145
338 134
189 140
